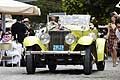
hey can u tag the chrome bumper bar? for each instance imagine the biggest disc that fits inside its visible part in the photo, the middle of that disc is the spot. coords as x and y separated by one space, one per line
55 52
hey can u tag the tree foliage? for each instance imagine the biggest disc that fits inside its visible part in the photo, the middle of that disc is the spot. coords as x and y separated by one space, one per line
48 6
73 6
97 8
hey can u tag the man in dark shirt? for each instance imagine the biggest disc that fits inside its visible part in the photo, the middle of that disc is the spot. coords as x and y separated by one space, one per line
18 30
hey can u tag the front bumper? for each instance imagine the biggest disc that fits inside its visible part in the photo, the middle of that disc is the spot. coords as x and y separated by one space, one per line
55 52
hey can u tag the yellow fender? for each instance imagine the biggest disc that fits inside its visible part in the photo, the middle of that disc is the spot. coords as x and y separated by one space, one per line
82 38
85 40
100 45
32 40
77 34
72 46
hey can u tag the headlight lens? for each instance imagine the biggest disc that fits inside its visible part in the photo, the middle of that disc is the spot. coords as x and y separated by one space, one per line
69 39
45 38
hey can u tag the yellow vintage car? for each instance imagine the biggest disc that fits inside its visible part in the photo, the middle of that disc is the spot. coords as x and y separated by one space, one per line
75 44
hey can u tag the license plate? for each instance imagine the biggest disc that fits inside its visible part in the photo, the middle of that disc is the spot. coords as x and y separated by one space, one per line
58 47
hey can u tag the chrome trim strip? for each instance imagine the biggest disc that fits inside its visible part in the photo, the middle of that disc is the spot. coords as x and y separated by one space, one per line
53 52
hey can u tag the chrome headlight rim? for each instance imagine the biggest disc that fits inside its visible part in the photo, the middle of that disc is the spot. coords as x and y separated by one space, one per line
45 38
70 39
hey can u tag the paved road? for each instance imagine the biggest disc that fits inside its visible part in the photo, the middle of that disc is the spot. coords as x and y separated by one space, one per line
63 73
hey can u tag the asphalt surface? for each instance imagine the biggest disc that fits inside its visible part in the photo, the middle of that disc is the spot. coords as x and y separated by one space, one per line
70 72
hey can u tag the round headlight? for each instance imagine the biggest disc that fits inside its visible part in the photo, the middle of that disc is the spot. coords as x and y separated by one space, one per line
69 39
45 38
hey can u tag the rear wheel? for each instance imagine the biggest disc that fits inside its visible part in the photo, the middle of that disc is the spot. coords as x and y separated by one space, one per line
52 66
100 65
88 61
30 65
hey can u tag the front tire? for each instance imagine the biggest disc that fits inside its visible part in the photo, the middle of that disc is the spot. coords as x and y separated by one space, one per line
88 61
30 66
30 63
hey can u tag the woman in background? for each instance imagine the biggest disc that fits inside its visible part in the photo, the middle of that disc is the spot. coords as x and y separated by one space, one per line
112 39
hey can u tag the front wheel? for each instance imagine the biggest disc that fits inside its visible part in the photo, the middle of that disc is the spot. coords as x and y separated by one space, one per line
88 61
30 60
30 66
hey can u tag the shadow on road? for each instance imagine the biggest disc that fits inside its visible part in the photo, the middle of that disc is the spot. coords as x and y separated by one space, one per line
68 71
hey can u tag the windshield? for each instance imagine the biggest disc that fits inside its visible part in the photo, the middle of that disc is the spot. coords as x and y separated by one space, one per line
75 22
71 22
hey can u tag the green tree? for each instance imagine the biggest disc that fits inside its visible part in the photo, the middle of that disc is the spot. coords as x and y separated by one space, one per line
97 8
73 6
47 6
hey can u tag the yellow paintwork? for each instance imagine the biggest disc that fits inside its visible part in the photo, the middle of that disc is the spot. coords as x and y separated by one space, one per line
79 34
100 45
72 46
85 40
32 40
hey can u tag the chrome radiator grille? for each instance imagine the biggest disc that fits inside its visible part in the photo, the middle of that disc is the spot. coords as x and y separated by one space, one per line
57 38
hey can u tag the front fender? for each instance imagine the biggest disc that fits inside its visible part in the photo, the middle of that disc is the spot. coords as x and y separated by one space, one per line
100 45
32 40
85 40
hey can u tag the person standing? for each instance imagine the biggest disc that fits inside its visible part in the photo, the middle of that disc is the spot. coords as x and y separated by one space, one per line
30 31
118 35
18 30
112 38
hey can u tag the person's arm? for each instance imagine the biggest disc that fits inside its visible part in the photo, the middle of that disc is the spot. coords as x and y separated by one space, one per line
51 25
108 27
